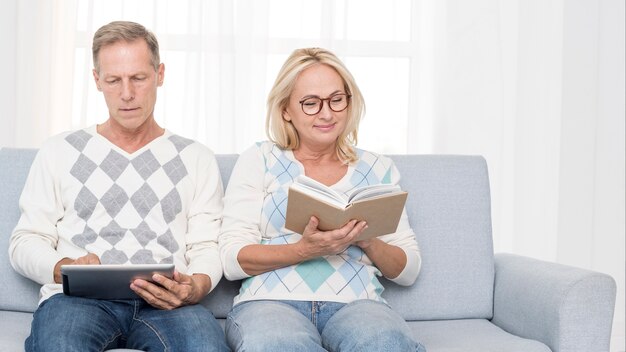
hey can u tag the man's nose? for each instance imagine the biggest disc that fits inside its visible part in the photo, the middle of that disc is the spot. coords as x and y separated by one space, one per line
128 91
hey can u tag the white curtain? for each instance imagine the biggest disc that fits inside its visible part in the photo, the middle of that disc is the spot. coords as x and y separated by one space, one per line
535 86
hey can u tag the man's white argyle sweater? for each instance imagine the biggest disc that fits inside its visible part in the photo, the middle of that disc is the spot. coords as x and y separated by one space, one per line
160 204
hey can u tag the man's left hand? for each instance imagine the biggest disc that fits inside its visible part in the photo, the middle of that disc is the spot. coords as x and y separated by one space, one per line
168 294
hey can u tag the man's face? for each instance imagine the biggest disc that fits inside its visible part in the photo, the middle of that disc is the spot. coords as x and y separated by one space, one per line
129 83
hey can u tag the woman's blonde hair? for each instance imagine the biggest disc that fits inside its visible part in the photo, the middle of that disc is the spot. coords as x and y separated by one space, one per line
282 132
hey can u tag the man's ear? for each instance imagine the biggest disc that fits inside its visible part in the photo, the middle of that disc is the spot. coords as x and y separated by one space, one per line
96 79
160 74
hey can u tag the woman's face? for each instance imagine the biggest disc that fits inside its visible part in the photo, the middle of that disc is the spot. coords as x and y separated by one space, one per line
321 130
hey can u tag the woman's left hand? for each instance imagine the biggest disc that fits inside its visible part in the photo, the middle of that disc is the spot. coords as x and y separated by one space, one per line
389 259
168 294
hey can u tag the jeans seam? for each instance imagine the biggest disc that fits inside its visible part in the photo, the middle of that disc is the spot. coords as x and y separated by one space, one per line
235 325
314 313
104 348
156 332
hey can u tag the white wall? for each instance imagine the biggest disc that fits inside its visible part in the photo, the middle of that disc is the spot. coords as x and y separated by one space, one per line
8 28
592 177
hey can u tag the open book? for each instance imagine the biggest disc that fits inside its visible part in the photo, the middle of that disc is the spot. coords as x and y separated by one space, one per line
379 205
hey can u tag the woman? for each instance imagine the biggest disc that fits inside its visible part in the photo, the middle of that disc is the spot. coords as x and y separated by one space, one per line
317 290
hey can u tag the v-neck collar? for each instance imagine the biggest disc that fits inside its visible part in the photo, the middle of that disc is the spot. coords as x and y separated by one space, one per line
93 130
345 178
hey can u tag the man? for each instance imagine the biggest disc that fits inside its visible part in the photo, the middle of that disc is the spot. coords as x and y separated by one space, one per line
123 192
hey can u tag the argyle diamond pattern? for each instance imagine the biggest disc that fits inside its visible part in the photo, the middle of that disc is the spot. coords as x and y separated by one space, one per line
342 275
122 195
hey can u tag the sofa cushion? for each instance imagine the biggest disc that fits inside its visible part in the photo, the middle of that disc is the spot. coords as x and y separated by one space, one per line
470 335
20 293
14 329
449 210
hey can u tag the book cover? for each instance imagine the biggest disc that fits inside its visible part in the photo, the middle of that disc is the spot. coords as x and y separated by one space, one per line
380 206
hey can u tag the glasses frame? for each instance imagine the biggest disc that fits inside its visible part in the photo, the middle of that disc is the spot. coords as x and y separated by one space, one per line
321 106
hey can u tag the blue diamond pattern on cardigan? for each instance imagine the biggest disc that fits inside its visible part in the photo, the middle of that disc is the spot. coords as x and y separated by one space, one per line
270 280
275 209
345 275
354 252
363 175
284 169
315 272
350 272
358 284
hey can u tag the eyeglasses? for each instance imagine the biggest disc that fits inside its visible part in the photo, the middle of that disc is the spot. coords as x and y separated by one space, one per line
336 103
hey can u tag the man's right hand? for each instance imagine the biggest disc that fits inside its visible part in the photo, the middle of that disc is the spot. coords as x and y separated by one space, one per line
90 258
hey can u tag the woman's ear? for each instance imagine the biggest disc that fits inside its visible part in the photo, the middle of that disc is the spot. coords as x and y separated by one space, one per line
286 116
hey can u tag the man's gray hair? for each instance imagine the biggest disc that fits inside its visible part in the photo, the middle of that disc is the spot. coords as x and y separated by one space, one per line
127 31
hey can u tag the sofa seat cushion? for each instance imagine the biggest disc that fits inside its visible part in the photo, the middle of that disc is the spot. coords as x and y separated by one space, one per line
14 329
470 335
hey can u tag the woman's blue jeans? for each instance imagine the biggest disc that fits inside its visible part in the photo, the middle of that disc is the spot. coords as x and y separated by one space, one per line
64 323
363 325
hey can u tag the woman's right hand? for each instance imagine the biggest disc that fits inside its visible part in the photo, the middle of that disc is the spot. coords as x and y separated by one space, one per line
256 259
316 243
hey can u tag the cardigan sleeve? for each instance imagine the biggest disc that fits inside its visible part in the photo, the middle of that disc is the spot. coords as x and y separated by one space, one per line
204 219
243 203
404 238
32 247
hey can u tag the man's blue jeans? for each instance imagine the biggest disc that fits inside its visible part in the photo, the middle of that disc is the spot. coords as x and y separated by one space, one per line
278 326
63 323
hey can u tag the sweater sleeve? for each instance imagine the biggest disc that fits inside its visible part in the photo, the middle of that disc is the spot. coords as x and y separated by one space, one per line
32 247
404 238
242 211
204 219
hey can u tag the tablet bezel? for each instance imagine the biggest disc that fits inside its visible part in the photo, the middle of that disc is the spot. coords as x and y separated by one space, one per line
109 281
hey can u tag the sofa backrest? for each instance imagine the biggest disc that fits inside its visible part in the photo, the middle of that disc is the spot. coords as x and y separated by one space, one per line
449 210
448 207
19 293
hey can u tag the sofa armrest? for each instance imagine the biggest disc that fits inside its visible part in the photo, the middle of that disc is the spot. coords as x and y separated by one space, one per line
567 308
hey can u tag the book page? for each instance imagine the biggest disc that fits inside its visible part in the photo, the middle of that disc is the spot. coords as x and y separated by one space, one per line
319 190
372 191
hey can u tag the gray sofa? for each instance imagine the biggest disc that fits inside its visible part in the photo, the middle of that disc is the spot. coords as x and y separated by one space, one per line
465 299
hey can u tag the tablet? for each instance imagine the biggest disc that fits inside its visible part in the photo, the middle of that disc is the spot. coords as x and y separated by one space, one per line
108 281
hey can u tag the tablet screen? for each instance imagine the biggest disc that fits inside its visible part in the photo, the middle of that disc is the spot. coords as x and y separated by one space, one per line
108 281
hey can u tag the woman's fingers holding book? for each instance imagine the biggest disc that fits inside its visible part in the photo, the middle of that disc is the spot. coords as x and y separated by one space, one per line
330 242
